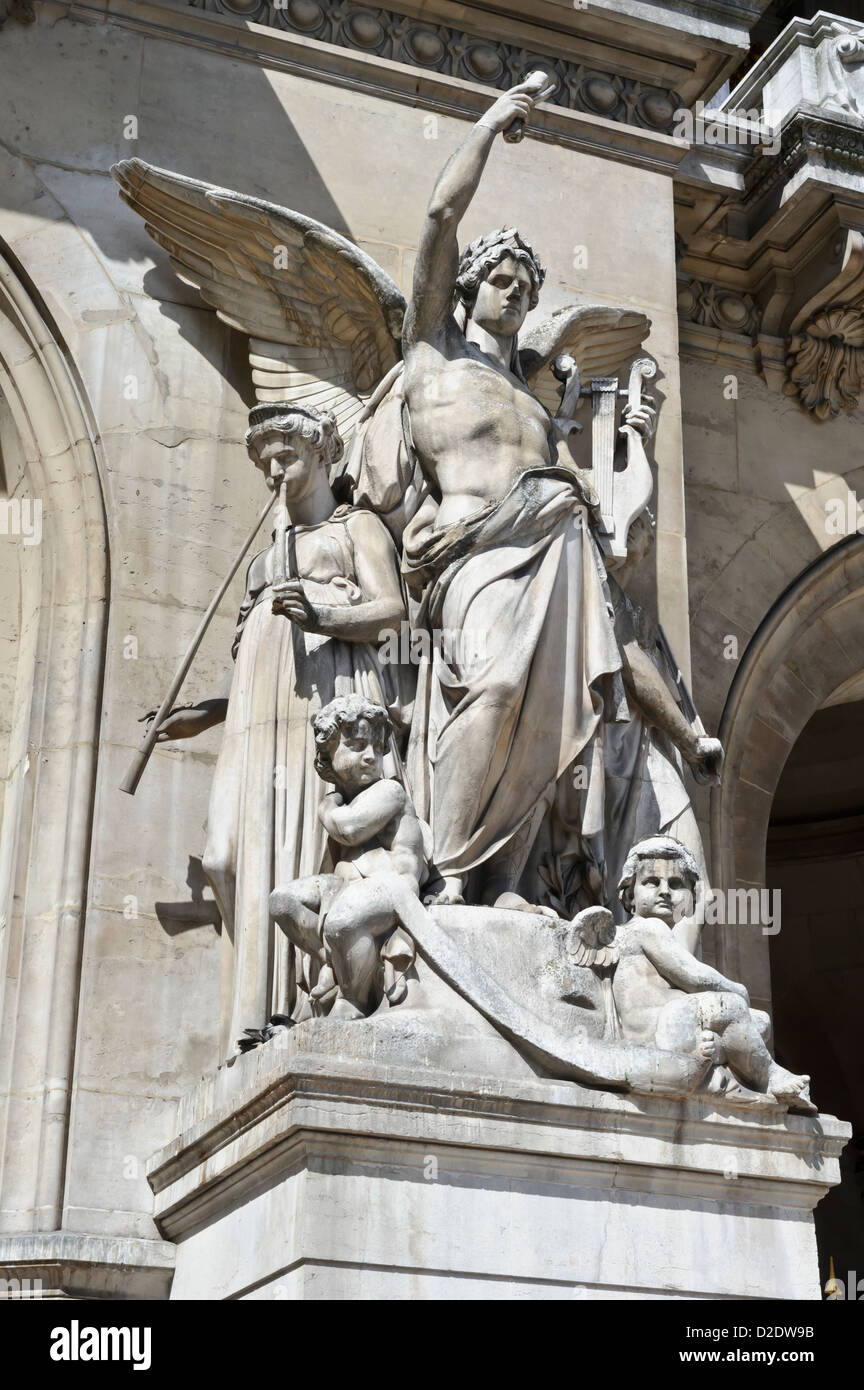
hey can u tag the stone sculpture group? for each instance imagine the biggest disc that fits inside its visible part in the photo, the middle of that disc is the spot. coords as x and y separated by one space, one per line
521 781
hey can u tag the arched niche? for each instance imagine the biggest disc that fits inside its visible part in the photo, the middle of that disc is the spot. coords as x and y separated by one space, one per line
809 646
55 595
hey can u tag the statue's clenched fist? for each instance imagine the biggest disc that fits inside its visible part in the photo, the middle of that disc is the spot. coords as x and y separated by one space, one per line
518 102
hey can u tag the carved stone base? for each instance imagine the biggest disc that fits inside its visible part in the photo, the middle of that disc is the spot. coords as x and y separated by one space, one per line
300 1175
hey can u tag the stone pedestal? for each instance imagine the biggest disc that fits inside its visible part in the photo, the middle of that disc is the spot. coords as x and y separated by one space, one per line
298 1175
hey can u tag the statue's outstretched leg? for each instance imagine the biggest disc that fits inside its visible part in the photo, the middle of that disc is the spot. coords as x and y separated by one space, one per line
682 1023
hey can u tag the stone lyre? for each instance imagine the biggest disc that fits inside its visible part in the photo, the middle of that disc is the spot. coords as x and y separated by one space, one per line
624 493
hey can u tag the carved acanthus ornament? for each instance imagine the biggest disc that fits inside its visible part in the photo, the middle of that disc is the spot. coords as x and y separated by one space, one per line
826 362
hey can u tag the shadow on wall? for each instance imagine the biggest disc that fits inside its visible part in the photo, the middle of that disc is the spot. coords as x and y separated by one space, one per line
213 118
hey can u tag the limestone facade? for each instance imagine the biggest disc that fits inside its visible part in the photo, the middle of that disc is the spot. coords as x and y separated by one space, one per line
123 406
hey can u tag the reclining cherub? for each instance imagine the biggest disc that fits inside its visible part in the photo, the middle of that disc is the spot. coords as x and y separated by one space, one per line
664 996
377 845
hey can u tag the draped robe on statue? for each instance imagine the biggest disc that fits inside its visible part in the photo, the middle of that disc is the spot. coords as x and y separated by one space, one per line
645 789
523 668
263 826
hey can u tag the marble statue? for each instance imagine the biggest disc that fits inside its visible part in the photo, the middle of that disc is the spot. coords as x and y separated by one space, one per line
377 847
645 786
667 997
390 839
499 546
300 641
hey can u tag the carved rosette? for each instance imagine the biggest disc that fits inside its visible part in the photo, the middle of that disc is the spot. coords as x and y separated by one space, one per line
826 362
716 306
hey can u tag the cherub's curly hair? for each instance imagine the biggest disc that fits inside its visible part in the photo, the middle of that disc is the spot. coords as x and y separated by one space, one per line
482 255
319 427
345 712
655 847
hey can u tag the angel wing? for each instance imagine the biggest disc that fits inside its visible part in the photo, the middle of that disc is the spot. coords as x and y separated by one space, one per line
600 337
324 320
592 938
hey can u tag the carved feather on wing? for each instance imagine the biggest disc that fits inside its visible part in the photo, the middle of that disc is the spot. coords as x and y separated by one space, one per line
324 320
601 338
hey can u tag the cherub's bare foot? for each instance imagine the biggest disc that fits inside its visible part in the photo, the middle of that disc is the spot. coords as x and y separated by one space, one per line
514 902
450 894
794 1090
722 1083
326 981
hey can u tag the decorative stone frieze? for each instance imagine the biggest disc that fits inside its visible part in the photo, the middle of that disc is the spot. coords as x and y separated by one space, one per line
826 142
715 306
456 53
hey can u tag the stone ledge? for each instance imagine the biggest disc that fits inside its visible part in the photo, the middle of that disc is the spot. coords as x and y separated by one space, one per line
71 1264
277 1108
303 1176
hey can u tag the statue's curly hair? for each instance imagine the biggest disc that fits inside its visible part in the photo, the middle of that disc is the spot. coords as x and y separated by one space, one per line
482 255
346 712
655 847
319 427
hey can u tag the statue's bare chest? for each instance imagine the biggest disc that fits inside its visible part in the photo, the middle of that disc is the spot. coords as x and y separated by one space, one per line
473 395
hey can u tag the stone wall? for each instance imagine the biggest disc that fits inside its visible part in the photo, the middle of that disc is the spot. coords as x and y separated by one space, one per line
168 389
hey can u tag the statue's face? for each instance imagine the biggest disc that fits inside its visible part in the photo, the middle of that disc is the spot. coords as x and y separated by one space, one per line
503 298
287 457
661 890
356 761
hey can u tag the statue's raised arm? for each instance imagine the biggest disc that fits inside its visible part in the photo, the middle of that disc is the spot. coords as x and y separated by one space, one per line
430 310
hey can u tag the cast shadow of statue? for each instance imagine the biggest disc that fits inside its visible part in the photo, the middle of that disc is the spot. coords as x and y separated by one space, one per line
195 911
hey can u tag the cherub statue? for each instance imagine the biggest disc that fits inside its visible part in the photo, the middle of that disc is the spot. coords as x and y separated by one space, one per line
377 844
664 996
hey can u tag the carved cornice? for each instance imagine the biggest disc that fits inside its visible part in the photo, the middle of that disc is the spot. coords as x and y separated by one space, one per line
455 53
833 143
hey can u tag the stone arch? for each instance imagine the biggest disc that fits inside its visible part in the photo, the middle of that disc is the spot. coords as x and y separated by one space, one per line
809 644
52 746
